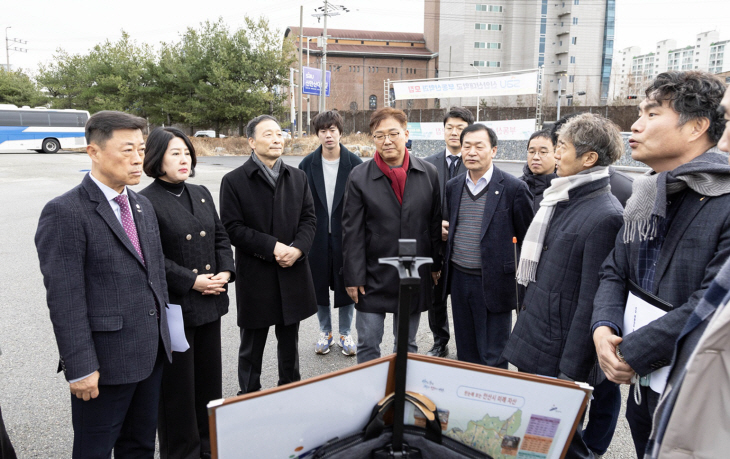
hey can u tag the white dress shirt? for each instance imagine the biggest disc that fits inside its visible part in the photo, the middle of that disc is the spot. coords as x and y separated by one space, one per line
481 183
110 194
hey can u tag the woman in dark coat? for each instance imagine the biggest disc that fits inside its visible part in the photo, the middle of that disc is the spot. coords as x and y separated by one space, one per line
198 265
540 168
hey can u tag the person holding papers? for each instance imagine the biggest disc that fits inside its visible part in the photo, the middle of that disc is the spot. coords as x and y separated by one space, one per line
675 238
198 265
564 247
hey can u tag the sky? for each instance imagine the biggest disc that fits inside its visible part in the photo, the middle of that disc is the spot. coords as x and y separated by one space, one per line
77 25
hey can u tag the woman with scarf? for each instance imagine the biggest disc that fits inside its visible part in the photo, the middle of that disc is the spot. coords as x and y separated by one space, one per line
540 168
198 265
567 241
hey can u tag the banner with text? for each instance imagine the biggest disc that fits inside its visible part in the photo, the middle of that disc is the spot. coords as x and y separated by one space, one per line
505 130
507 85
313 81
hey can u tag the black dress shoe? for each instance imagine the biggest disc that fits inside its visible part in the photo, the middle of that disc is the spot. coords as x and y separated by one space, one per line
439 350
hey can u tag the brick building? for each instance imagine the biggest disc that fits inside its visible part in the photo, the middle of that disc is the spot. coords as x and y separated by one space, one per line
361 61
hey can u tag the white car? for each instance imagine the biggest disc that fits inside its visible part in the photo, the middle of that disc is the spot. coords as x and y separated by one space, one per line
207 134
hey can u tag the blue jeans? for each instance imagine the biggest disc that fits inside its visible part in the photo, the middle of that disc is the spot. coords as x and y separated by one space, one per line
325 318
370 327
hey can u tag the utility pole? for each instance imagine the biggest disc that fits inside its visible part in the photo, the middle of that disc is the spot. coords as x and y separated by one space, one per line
301 74
560 81
14 48
479 76
327 10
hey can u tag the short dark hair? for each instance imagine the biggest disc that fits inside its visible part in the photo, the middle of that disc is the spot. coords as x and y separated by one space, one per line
326 120
559 124
388 112
543 134
461 113
592 132
693 94
156 146
251 126
480 127
101 125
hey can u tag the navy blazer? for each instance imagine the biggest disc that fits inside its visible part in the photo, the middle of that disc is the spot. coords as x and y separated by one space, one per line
553 332
318 255
193 243
507 214
100 294
695 248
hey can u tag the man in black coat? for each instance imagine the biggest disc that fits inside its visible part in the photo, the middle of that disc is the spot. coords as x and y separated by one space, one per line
394 196
327 169
539 171
448 164
267 209
675 239
578 222
487 209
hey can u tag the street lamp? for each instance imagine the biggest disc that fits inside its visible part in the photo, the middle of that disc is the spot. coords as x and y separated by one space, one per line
478 100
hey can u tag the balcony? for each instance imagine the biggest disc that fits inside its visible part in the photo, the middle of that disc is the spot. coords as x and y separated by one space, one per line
563 29
561 49
565 9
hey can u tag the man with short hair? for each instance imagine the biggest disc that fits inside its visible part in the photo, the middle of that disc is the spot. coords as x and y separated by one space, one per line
448 164
675 238
267 209
539 170
327 169
394 196
487 209
569 238
104 271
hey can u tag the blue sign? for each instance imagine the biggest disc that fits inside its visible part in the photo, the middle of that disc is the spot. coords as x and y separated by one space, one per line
313 81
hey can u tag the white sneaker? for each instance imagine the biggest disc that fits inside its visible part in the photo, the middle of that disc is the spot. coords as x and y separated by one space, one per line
323 343
348 345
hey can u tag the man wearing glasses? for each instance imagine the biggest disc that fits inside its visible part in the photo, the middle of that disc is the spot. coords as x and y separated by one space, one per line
395 196
539 171
448 164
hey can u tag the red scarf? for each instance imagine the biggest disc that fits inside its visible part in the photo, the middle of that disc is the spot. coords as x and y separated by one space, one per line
396 175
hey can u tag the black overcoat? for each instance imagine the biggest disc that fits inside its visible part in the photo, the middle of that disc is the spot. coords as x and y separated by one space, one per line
372 222
193 244
312 166
257 217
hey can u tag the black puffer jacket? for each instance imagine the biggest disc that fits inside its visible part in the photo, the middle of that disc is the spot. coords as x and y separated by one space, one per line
537 184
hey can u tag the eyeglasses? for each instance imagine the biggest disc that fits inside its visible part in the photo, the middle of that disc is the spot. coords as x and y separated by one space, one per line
541 154
393 136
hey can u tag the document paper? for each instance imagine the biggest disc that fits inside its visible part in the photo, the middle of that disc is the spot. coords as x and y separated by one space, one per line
637 314
177 328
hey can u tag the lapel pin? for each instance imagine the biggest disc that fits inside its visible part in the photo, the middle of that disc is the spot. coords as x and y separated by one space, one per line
703 197
496 192
202 200
137 206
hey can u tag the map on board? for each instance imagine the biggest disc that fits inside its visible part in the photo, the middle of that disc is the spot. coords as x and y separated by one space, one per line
489 434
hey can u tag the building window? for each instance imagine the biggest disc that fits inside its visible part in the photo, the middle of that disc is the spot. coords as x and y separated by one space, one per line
571 78
572 59
480 26
493 64
490 8
480 44
494 45
576 2
373 101
574 41
494 26
575 21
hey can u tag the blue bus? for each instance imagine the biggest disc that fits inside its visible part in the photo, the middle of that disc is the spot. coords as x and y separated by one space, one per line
41 129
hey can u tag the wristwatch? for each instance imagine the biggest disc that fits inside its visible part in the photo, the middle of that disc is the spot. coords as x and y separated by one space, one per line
620 355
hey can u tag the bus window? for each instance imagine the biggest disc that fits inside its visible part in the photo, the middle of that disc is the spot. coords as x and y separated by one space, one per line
8 118
34 119
67 119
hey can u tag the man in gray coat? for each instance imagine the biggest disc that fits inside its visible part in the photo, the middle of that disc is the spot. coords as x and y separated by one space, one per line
675 238
449 165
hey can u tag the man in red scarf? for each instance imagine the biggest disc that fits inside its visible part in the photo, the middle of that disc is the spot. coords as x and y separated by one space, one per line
395 196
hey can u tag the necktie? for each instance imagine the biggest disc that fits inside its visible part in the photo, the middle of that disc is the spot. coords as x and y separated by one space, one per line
128 223
453 165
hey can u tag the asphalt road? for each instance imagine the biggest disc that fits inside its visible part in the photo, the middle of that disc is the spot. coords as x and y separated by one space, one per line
34 399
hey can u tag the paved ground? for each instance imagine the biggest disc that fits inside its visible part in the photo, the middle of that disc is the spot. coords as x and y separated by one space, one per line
34 399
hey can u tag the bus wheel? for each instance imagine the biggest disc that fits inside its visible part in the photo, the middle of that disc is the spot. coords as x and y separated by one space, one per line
51 146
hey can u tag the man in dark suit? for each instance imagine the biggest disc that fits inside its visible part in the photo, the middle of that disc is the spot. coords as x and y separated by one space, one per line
568 239
394 196
104 272
448 164
327 169
267 209
675 238
487 209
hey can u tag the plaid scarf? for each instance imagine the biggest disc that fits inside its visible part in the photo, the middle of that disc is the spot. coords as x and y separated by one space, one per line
535 236
708 175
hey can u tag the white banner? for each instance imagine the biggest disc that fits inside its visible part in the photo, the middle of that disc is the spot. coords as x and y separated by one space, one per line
507 85
505 130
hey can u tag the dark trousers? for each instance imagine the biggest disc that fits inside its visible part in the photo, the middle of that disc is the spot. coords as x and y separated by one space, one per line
6 448
640 417
251 354
481 336
193 379
602 416
123 418
438 316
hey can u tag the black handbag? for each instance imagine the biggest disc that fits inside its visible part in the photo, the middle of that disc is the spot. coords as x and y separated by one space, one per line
378 440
